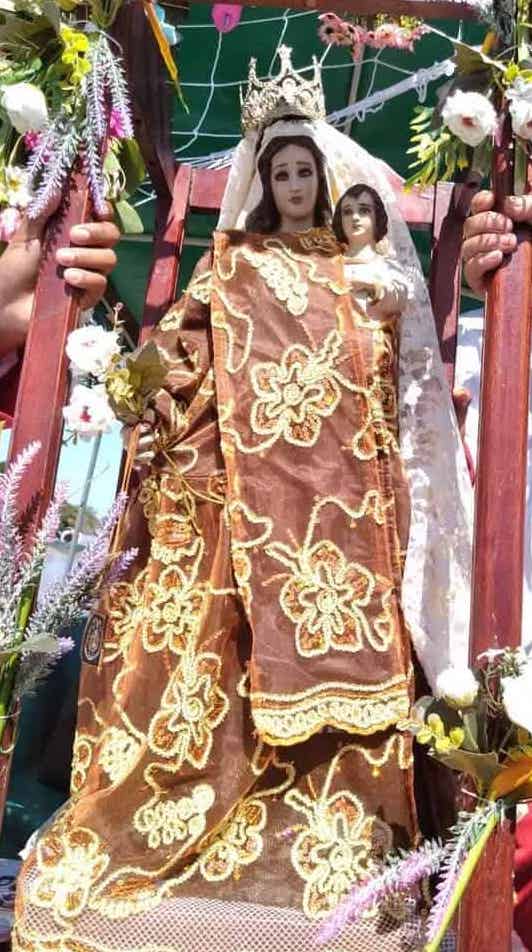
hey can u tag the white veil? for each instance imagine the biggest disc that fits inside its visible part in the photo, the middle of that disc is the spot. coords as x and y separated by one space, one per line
437 575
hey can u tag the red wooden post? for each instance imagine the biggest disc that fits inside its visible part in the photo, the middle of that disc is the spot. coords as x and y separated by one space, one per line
425 9
168 242
485 924
43 382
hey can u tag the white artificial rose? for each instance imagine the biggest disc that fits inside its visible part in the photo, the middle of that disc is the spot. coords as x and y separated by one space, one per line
88 412
26 107
457 686
517 697
521 113
520 89
470 116
91 349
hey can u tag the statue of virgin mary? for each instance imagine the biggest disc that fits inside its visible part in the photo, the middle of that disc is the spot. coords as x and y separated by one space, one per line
237 764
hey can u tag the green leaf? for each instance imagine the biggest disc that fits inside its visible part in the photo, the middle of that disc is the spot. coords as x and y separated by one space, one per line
149 365
470 722
128 218
483 767
132 165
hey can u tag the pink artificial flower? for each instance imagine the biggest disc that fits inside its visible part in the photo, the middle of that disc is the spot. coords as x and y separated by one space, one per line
10 219
31 140
117 128
226 16
388 34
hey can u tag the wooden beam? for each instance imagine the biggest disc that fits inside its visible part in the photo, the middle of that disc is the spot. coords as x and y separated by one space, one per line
497 596
168 242
43 382
426 9
149 90
451 207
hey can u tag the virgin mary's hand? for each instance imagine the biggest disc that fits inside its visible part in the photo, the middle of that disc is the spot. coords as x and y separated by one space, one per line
145 451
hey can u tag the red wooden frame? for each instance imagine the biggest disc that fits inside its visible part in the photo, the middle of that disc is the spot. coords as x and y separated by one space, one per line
484 925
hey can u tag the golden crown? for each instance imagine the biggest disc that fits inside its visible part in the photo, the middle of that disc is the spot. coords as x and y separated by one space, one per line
286 94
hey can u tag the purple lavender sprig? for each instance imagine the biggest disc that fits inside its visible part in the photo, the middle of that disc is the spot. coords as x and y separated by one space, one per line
10 538
401 874
95 95
92 162
111 75
463 835
66 600
35 666
55 172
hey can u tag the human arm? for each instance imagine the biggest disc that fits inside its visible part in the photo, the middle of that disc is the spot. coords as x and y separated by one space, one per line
86 264
489 235
386 288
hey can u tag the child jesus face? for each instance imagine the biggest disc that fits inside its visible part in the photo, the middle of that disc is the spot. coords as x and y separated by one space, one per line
359 221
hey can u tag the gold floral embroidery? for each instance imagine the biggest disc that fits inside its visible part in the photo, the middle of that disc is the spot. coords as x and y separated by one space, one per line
125 606
238 844
164 822
248 530
118 753
68 866
192 705
377 434
325 599
81 761
173 615
173 318
200 287
297 394
219 321
328 598
337 847
277 272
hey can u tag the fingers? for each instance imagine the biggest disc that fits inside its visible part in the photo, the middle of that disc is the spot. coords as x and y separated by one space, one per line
95 234
478 269
482 202
87 259
92 284
519 208
485 242
487 221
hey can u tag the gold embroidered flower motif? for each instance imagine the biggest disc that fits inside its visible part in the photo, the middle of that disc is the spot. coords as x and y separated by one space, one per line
380 421
81 761
325 598
239 843
242 571
192 705
171 821
125 605
173 612
295 395
336 848
118 753
68 866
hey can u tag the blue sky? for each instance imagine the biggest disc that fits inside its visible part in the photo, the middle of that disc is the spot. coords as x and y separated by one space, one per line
74 462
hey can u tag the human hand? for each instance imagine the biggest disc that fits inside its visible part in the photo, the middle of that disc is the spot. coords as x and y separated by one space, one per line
488 235
92 259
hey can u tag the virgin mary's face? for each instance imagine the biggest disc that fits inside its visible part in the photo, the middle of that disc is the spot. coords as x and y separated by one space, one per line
294 184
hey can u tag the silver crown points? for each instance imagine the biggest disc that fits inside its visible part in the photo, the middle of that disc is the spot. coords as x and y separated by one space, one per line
287 94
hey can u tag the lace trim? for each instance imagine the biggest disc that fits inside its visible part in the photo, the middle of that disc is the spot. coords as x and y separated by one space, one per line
284 719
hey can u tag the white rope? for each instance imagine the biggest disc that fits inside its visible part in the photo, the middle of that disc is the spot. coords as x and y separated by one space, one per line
417 81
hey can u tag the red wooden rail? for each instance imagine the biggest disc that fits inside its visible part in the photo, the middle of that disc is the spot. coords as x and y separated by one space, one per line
43 382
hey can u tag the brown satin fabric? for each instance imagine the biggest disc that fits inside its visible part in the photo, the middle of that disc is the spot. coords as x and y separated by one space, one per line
218 659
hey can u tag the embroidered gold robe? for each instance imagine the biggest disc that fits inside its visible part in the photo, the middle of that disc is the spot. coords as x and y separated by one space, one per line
236 765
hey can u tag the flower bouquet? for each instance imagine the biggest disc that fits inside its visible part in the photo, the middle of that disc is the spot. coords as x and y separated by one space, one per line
489 81
378 32
31 639
63 99
480 725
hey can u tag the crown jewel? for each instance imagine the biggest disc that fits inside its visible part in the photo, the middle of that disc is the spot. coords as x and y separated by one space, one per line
286 94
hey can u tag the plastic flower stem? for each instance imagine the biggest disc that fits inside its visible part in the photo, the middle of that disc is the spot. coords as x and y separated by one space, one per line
463 880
